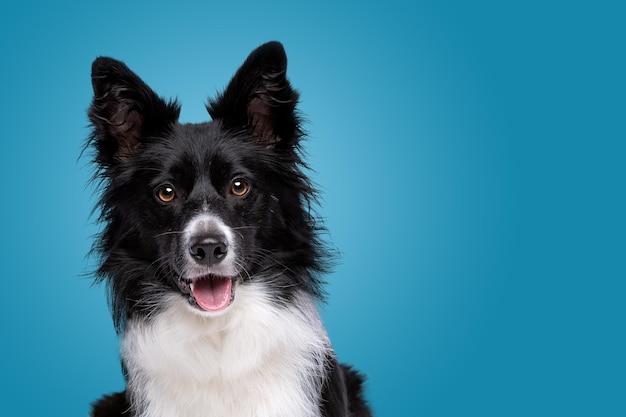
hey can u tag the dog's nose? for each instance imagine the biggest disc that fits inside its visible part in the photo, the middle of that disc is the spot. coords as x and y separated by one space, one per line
209 250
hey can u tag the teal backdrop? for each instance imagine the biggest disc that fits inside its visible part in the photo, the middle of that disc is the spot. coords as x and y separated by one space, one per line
471 161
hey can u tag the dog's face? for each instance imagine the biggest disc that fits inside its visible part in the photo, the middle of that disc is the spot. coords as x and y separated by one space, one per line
199 209
205 202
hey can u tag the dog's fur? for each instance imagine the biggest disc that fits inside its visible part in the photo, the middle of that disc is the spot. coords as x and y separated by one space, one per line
210 251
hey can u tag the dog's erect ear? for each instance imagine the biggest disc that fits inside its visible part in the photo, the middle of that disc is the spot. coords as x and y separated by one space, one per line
260 98
124 111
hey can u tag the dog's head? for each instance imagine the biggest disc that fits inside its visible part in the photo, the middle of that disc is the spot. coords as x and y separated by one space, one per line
199 209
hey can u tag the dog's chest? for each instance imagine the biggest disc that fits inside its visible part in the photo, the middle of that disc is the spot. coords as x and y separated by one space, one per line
256 360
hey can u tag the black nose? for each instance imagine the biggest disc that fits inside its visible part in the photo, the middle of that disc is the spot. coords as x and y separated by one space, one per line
209 250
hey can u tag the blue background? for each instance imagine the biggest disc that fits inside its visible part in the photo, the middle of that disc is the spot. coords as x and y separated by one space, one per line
471 162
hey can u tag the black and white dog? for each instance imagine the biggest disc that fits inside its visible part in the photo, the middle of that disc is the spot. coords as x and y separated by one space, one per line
210 251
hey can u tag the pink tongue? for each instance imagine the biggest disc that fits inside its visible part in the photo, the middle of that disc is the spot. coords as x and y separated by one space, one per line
212 294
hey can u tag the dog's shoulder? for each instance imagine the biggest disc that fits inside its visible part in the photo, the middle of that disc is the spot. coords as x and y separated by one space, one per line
114 405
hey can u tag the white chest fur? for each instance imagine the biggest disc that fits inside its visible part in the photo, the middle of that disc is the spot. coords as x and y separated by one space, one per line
255 360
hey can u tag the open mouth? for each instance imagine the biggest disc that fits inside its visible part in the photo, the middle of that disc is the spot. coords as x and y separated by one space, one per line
210 293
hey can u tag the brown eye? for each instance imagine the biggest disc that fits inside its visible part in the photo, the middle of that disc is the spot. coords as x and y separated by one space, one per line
239 187
166 193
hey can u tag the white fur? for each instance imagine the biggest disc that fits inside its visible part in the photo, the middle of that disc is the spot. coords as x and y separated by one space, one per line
253 360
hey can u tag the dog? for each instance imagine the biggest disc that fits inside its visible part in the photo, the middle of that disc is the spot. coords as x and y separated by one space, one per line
211 253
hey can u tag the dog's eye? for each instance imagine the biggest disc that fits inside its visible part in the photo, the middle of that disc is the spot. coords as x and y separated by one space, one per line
166 193
239 187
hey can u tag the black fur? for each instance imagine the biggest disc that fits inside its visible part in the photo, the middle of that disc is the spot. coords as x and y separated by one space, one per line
255 133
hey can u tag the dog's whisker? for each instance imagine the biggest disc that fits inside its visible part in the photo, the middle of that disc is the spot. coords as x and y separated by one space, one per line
177 232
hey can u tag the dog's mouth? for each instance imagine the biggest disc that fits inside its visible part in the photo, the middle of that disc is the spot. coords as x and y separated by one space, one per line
209 293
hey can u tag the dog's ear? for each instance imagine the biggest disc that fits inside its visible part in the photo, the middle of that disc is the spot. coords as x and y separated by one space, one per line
260 98
124 111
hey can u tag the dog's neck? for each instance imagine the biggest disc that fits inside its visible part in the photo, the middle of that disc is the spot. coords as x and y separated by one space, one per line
255 359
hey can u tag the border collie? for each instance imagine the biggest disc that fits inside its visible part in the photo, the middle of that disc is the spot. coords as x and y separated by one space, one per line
210 251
